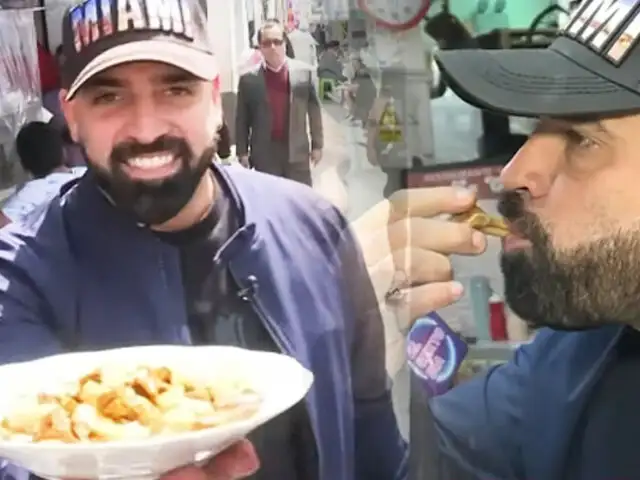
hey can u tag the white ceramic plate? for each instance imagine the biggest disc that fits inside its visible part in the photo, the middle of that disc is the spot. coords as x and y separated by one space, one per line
281 381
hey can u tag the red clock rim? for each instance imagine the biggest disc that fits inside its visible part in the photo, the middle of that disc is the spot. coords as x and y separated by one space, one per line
397 26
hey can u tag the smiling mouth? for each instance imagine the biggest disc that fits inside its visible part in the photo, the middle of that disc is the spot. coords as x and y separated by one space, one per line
151 166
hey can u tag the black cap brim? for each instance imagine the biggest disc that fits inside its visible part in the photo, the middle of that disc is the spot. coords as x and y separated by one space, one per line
532 83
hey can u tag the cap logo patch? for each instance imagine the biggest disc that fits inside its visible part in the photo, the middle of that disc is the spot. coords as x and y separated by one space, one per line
94 20
608 27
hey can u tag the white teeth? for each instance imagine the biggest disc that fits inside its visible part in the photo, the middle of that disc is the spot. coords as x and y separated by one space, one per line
150 162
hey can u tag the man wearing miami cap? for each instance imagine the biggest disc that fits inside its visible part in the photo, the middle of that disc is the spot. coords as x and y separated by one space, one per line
566 406
157 244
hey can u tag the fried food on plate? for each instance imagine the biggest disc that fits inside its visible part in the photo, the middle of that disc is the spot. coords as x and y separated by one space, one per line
122 404
481 220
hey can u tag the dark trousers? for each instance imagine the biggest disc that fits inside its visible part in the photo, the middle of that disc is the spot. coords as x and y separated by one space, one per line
278 162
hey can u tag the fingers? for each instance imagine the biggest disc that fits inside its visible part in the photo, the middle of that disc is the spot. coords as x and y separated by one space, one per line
415 202
422 266
437 235
422 234
427 279
414 265
186 473
427 298
429 202
237 462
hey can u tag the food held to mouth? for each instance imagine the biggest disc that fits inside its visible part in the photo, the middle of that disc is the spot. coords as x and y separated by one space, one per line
117 404
480 220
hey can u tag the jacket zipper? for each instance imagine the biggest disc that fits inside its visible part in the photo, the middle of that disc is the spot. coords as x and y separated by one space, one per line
280 340
285 347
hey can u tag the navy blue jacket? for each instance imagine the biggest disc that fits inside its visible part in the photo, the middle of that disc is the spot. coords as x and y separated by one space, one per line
81 276
516 422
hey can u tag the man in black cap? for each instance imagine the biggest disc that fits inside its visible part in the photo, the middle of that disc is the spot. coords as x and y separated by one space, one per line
566 406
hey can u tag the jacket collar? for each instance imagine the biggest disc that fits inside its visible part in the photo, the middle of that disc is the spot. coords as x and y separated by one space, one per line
85 200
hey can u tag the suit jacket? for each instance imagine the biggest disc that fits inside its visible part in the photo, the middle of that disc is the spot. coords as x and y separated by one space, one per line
253 114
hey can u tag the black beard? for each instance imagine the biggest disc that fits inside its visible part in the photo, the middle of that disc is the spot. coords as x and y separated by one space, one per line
594 284
153 202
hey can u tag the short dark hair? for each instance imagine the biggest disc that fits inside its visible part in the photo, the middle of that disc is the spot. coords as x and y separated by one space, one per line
40 148
270 23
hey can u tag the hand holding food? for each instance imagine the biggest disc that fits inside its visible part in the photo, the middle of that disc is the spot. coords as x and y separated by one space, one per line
112 404
407 238
406 243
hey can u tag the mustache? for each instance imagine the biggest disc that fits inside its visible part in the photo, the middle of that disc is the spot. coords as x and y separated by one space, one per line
177 146
511 205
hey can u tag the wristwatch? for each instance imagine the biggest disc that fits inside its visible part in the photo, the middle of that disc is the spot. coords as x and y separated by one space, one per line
397 15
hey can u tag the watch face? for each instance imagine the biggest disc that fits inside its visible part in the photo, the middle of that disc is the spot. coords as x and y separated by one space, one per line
398 14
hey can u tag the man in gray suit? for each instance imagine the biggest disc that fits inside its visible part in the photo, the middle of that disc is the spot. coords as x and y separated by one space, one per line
279 116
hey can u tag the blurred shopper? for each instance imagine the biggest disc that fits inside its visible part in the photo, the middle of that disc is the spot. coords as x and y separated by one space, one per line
41 152
330 64
361 93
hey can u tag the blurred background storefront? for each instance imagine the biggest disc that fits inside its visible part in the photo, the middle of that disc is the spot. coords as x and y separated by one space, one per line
22 26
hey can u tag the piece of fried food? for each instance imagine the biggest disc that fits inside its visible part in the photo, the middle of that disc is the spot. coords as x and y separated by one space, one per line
481 220
129 403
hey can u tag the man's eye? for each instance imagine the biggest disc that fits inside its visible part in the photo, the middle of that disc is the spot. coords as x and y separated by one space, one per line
105 98
577 140
179 91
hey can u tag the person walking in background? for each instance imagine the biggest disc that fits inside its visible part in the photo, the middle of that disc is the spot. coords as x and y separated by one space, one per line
277 105
40 148
304 46
361 93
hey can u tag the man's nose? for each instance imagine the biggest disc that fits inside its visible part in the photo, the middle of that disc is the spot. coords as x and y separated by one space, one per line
534 167
145 122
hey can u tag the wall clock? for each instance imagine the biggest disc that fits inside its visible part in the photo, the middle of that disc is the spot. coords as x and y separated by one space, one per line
395 15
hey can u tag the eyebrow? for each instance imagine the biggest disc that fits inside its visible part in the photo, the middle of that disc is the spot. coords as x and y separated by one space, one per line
106 81
582 122
177 77
102 81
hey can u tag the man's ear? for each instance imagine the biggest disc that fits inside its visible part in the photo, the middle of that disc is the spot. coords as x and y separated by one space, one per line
69 114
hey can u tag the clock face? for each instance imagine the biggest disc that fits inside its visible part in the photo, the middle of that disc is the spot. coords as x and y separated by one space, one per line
395 15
